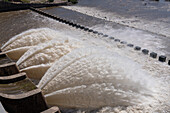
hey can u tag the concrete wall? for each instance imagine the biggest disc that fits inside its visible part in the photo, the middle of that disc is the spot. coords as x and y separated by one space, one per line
4 6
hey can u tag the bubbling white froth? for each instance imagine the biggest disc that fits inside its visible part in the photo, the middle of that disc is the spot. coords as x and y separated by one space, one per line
84 74
93 77
41 57
19 44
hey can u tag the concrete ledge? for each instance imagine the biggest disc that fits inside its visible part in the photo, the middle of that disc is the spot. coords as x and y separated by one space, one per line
8 69
31 102
2 55
18 94
21 96
12 78
4 59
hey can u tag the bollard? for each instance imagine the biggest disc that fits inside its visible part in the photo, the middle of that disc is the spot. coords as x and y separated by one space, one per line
4 59
2 55
130 45
70 23
105 35
73 25
117 40
86 29
162 58
153 55
169 62
77 26
137 48
90 30
95 32
100 33
81 27
64 21
123 42
111 38
145 51
59 19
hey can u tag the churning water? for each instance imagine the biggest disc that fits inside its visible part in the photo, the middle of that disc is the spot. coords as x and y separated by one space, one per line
145 15
90 72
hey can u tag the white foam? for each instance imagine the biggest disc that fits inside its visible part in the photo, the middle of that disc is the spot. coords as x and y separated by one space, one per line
45 54
135 70
155 26
137 37
22 42
92 78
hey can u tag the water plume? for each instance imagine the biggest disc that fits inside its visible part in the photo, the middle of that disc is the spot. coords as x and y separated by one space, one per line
38 59
86 72
19 44
94 77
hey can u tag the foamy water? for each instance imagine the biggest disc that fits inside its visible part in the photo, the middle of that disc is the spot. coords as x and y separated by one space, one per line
156 26
41 57
19 44
98 78
134 36
95 75
153 41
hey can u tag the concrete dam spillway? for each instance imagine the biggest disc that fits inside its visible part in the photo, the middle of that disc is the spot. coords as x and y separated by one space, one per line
84 74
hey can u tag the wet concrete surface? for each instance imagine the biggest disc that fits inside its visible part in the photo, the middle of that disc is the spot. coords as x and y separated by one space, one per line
13 23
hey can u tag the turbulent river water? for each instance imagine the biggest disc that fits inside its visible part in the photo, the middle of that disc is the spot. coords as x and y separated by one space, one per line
84 72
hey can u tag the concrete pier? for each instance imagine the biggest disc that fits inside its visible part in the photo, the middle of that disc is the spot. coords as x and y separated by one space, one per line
18 94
